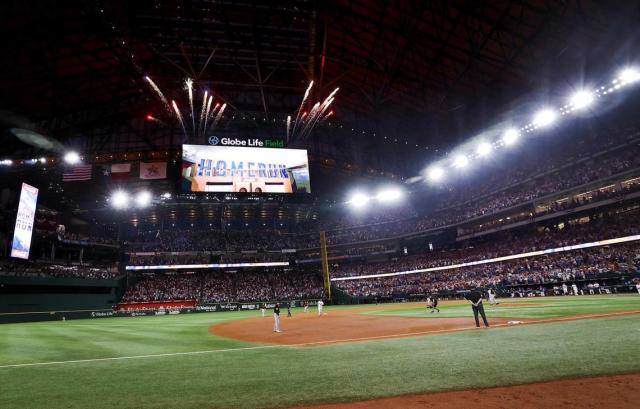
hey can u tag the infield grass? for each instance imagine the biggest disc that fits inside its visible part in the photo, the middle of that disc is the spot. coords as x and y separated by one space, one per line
285 376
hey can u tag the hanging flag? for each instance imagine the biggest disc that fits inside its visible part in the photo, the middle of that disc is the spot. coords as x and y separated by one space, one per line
104 171
153 170
120 171
77 173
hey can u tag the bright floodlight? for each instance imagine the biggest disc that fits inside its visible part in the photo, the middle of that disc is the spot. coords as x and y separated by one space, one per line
389 195
460 162
435 174
544 117
358 200
510 136
72 158
629 75
582 99
166 195
43 160
143 199
484 149
119 199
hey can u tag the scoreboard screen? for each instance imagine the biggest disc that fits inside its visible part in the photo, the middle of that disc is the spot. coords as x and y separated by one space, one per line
225 169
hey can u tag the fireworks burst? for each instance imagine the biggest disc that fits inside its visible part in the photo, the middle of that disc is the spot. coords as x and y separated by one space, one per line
304 98
208 116
179 116
189 84
288 125
157 90
219 115
202 111
306 121
206 113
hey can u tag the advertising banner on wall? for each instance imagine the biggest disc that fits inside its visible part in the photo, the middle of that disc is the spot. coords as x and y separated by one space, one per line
225 169
21 244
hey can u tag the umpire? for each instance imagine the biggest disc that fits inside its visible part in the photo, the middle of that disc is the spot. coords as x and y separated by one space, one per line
475 298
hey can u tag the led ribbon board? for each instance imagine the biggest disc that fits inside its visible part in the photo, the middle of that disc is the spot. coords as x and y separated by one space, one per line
198 266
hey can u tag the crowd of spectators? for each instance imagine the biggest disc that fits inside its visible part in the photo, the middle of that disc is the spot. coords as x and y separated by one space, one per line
574 267
46 270
202 239
612 226
223 287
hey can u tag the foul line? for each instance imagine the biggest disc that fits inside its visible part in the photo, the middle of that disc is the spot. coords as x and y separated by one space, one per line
335 341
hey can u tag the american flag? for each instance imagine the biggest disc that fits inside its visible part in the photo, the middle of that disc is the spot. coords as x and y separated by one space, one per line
76 173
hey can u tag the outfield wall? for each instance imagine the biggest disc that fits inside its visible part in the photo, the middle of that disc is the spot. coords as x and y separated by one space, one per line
143 310
29 294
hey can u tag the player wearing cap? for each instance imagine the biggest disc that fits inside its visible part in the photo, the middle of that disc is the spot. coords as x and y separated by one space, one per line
276 318
475 298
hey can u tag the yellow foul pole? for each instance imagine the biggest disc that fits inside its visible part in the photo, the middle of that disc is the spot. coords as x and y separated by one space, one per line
325 263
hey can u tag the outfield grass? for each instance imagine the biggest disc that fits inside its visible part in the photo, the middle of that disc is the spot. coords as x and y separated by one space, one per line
282 376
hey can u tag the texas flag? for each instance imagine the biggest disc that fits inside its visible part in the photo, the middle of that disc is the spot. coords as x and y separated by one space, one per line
153 170
120 171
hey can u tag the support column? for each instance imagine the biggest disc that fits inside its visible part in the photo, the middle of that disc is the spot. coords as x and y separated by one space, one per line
325 263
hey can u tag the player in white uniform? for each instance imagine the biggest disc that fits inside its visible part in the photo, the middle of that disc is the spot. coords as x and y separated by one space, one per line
574 287
638 287
306 306
565 289
276 318
263 309
320 306
492 296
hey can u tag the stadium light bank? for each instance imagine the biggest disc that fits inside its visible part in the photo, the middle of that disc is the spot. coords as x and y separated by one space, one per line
387 195
543 118
121 199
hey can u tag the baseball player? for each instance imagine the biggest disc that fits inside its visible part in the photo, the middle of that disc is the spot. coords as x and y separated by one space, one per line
263 309
475 298
434 303
492 296
306 306
289 308
276 318
574 287
565 289
638 287
320 307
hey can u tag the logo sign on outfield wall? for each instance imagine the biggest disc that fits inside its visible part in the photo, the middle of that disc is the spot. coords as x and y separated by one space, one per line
21 244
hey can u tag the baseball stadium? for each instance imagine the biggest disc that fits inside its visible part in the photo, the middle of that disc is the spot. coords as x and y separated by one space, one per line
320 204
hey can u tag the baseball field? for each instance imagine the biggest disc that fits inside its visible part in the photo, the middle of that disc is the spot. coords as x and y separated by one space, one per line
539 352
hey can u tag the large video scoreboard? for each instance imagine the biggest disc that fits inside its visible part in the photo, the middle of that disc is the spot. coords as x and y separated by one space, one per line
239 169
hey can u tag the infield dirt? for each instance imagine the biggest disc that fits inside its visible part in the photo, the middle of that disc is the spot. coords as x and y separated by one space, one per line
621 392
338 326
